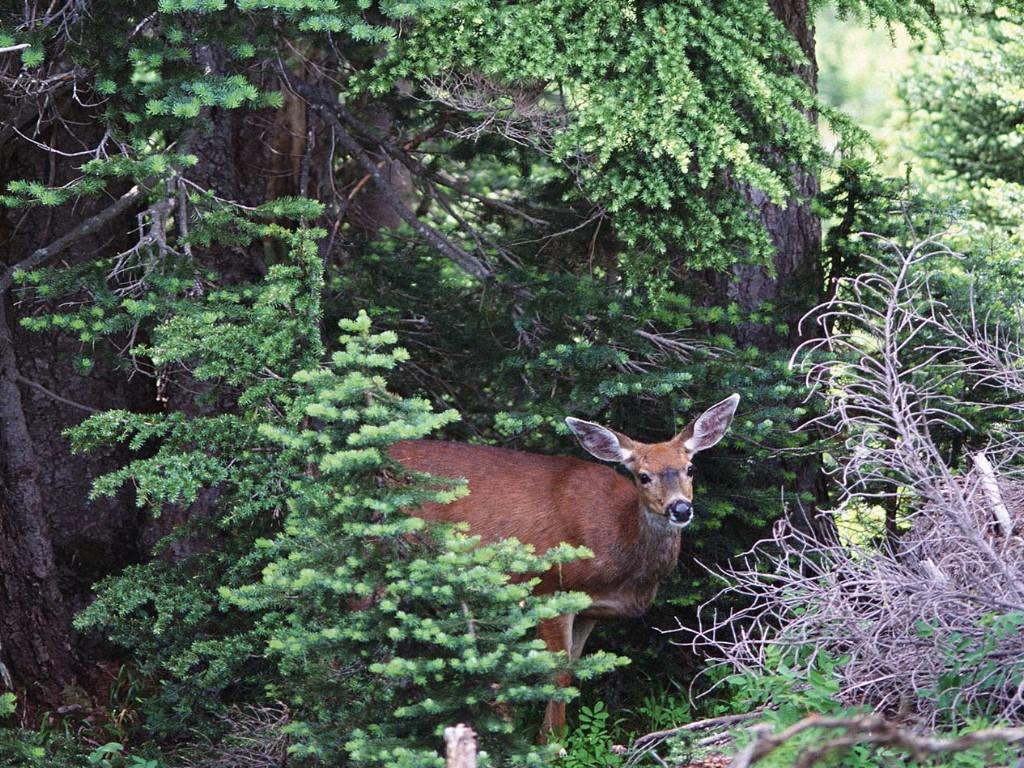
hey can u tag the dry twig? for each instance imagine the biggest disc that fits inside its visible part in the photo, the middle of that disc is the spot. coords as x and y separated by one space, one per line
647 744
869 729
908 612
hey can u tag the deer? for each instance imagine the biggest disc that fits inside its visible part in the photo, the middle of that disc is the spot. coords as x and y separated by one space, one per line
633 526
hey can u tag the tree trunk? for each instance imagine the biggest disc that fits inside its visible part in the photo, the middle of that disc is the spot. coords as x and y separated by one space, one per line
54 541
35 650
797 284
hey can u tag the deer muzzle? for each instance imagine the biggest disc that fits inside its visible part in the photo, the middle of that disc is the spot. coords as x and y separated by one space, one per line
679 512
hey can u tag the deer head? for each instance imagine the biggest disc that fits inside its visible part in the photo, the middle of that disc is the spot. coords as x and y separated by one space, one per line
663 471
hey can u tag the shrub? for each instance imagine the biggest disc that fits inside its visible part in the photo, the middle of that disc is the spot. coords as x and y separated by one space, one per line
925 610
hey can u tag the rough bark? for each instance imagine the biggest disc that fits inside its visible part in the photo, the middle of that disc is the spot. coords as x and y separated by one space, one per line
796 284
54 542
35 648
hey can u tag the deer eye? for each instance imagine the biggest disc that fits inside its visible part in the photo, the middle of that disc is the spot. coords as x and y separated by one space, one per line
690 470
644 478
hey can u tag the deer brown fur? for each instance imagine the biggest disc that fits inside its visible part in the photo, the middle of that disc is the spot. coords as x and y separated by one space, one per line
633 527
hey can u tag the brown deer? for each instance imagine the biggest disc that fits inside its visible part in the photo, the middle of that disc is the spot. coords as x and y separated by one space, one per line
633 528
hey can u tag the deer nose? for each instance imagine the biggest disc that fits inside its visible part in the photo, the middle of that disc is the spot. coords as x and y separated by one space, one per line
679 512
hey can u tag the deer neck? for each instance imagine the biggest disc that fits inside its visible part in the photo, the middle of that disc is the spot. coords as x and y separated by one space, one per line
657 541
655 527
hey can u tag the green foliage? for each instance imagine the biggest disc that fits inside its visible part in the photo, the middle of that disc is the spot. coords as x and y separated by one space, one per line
965 112
375 630
966 107
798 682
664 708
589 744
22 748
975 660
385 630
23 193
111 755
243 344
652 148
801 681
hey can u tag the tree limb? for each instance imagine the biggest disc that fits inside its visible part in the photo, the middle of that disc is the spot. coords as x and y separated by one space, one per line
330 114
63 242
696 725
53 395
646 744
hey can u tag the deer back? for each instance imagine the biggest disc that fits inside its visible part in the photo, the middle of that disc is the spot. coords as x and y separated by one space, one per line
544 500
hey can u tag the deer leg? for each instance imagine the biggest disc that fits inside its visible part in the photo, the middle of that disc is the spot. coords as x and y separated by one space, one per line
581 629
557 634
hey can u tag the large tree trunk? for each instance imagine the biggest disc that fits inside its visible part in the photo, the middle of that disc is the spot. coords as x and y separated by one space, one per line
35 648
797 284
54 542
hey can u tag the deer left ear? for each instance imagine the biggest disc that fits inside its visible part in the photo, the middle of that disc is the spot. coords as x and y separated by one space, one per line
601 442
710 426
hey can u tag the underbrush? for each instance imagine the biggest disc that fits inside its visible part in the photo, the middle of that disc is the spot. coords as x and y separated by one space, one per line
799 687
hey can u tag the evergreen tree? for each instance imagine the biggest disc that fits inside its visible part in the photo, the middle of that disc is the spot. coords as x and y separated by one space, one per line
383 629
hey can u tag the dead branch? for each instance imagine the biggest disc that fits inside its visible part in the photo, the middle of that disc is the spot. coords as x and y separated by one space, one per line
869 729
443 177
132 267
256 738
86 228
903 611
330 112
54 396
519 113
646 744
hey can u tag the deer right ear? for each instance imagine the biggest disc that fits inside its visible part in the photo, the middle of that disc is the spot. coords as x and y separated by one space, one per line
710 426
601 442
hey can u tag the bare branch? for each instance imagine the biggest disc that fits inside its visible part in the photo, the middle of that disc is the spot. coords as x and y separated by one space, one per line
86 228
256 737
908 611
330 114
523 114
644 745
869 729
54 396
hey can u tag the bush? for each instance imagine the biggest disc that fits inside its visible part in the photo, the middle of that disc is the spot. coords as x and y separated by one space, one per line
924 609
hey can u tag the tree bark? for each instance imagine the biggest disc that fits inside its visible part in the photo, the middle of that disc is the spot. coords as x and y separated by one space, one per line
35 649
54 541
797 282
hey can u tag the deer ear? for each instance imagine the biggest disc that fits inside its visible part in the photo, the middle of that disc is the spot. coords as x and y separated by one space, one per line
601 442
710 426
